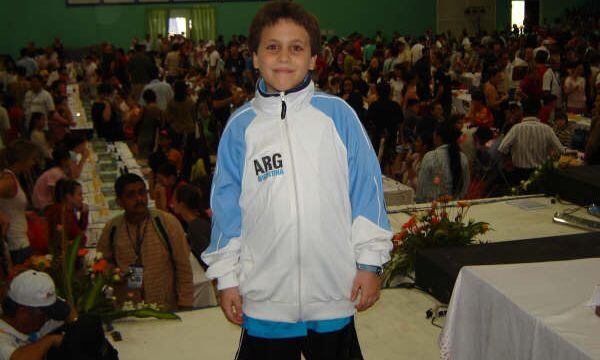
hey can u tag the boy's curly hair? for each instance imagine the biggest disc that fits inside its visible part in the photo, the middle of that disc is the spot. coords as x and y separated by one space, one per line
271 13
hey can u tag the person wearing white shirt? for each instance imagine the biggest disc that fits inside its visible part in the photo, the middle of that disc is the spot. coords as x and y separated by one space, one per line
575 90
37 99
213 57
551 83
466 43
164 92
530 143
27 62
31 311
417 51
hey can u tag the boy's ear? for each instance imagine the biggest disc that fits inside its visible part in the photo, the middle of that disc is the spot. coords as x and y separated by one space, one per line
313 62
255 60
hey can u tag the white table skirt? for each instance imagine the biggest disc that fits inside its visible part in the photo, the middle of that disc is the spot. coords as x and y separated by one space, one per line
524 311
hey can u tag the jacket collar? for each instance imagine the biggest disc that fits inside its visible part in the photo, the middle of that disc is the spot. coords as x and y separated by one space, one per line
295 99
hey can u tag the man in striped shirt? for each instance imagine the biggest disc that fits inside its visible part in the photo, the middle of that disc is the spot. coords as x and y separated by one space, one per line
530 142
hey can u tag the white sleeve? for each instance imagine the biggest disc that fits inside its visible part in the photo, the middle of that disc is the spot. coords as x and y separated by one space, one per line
49 103
547 80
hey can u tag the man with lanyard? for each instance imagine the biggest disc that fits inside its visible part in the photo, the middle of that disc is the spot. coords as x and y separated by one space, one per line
31 311
150 247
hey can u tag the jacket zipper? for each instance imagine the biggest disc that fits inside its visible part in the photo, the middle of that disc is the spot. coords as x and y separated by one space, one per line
294 199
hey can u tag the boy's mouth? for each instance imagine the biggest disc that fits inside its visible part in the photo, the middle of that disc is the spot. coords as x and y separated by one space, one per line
284 71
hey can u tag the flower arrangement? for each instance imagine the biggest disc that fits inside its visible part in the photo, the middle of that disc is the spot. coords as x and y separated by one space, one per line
441 225
543 172
85 280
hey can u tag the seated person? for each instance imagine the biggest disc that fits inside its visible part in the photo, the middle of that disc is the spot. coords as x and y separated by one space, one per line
563 129
37 134
43 190
172 154
166 183
479 114
188 204
77 147
69 202
31 311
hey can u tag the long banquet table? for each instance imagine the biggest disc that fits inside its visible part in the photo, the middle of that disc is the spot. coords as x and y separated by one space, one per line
98 177
510 218
524 311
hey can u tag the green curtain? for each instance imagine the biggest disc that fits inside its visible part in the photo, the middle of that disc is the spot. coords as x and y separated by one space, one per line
156 23
203 23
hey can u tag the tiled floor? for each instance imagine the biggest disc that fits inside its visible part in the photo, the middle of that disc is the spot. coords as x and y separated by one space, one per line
394 329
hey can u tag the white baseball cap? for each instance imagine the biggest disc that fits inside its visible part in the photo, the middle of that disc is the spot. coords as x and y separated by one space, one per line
36 289
209 43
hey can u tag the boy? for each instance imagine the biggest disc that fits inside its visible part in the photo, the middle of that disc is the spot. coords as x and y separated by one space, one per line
299 227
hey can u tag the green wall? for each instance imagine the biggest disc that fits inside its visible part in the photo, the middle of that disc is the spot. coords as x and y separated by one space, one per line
41 20
552 9
502 14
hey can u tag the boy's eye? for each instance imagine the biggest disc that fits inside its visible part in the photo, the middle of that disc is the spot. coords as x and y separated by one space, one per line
297 48
272 47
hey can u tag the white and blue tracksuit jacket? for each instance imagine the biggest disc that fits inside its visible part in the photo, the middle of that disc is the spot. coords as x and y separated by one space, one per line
297 201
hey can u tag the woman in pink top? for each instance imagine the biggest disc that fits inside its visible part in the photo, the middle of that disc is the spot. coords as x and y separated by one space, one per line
43 190
60 119
575 90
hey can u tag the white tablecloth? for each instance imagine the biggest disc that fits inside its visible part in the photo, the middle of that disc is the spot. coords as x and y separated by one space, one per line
581 122
396 193
77 109
524 311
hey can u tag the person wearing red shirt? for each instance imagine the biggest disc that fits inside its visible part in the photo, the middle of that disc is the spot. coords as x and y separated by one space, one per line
62 215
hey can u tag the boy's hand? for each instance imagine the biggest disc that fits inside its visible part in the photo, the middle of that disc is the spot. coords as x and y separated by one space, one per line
368 284
231 303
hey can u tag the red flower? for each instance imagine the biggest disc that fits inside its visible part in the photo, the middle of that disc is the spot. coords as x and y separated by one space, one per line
435 220
100 266
410 223
444 199
82 252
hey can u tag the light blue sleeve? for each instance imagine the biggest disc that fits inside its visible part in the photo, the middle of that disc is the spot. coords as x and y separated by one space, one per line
222 255
371 235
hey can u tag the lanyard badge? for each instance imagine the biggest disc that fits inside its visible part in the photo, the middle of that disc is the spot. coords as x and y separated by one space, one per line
135 280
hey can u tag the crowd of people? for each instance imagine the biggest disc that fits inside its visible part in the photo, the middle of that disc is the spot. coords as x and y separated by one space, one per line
170 99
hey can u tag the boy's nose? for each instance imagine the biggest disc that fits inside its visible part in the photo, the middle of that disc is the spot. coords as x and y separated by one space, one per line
284 56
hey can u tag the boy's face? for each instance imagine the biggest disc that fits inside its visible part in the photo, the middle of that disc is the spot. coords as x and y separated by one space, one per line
284 55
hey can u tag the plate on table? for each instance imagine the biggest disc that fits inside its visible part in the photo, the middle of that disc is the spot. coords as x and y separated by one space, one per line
108 177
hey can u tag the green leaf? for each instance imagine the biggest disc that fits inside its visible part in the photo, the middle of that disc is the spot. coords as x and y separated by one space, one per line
70 268
94 292
140 313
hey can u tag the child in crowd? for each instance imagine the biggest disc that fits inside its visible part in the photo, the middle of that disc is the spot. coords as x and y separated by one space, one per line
479 114
38 136
166 183
68 210
563 129
299 228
